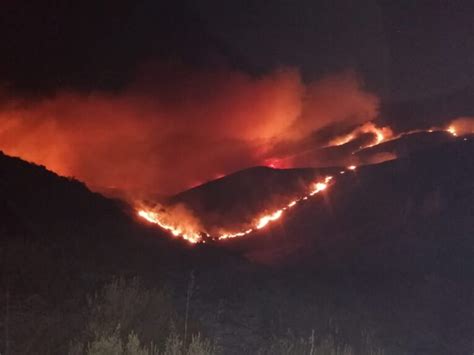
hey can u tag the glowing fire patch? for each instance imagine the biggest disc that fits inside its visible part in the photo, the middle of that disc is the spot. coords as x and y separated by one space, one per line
452 130
153 217
381 134
261 222
385 134
342 140
292 203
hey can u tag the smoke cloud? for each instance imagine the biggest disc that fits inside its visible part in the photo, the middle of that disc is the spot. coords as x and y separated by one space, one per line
173 128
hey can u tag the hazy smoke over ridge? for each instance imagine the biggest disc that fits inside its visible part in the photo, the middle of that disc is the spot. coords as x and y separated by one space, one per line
174 127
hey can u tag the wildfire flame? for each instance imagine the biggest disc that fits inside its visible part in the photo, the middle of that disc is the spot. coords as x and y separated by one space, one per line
381 134
194 236
263 221
384 134
452 130
154 217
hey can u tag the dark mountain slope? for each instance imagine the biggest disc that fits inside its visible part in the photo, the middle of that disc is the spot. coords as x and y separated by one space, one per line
423 201
404 146
43 204
81 235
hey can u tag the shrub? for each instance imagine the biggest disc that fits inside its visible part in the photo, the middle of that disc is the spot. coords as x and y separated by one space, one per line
124 318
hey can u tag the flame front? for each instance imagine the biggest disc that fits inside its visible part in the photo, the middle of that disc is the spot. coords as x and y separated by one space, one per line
265 220
384 134
381 134
153 217
195 236
452 130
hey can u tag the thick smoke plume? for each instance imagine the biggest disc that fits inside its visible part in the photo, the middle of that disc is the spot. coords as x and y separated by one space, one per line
174 128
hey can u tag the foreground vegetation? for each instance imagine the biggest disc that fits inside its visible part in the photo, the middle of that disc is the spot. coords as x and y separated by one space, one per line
53 305
125 318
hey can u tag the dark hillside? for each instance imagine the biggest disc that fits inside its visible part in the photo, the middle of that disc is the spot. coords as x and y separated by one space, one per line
427 194
43 204
404 145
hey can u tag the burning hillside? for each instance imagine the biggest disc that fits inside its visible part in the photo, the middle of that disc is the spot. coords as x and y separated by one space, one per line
181 219
174 128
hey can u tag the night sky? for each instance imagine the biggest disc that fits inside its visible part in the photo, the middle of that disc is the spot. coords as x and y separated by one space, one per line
403 49
185 91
